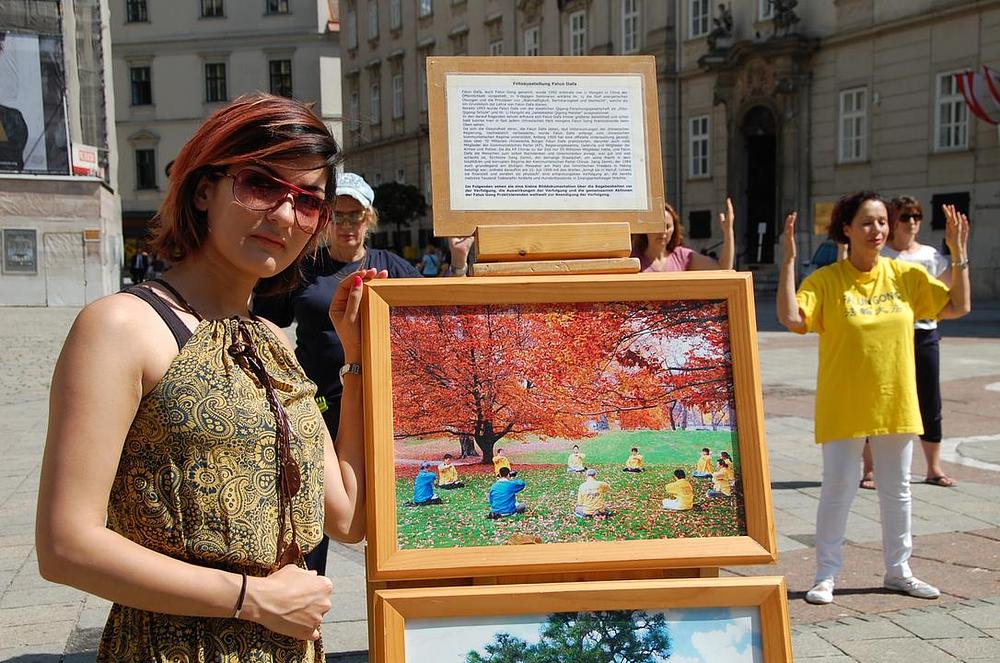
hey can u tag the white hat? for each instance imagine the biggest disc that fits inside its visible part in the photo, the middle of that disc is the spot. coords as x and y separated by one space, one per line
353 185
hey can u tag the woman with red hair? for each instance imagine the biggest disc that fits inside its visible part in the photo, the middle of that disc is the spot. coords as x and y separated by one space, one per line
665 251
187 469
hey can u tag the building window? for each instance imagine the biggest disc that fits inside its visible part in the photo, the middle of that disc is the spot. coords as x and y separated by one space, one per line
426 8
352 30
135 11
375 101
145 169
459 43
699 18
142 86
578 33
951 118
765 10
354 108
427 182
853 124
373 19
496 47
699 147
630 26
397 96
401 176
532 39
215 81
395 14
377 179
276 7
281 77
422 77
211 8
700 224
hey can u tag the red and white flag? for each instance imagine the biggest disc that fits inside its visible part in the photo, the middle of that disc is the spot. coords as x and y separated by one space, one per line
981 90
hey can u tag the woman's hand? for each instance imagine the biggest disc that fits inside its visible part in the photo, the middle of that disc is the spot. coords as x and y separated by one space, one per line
345 310
459 247
788 239
956 233
291 601
789 313
727 222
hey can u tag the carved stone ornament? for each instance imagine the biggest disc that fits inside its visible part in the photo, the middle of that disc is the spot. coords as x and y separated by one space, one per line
757 79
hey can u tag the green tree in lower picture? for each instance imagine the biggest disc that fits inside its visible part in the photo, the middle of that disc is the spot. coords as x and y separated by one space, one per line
621 636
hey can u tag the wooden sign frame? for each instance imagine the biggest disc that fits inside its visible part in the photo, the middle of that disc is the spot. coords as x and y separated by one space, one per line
387 562
456 222
395 608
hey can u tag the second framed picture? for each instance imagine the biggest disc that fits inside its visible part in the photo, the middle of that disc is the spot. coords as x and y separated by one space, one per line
564 424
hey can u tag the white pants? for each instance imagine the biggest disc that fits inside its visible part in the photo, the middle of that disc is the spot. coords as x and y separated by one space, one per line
672 505
841 474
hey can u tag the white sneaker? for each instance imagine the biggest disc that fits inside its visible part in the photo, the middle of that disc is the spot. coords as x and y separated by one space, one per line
912 586
821 593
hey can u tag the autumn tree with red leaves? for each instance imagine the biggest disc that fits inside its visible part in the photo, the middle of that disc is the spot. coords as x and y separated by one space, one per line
496 372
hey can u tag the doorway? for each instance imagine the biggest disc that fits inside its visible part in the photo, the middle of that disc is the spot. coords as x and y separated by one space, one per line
761 149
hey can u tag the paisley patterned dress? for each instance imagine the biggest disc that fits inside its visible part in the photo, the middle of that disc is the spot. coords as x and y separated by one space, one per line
197 481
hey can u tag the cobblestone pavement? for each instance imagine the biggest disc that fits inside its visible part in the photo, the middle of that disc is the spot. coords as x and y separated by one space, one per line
956 542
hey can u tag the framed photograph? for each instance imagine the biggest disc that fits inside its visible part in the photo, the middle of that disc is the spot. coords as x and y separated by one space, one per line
564 424
544 140
722 620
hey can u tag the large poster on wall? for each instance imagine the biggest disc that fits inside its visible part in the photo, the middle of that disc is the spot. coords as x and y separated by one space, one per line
32 113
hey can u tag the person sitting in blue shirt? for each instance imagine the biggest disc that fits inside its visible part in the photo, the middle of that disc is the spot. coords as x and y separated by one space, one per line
423 487
503 500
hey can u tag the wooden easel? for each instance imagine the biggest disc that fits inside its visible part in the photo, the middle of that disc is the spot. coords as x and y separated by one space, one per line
525 243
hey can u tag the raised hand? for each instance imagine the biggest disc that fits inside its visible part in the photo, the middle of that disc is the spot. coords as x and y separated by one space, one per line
727 221
956 232
788 237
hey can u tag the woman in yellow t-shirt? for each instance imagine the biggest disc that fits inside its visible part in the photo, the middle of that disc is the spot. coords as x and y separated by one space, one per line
863 308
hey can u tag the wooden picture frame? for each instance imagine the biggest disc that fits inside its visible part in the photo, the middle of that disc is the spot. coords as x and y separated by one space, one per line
388 562
764 596
645 213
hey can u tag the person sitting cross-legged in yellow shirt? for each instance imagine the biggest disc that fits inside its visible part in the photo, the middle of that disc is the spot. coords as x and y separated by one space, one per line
575 461
635 463
722 481
704 468
590 496
680 493
500 461
448 475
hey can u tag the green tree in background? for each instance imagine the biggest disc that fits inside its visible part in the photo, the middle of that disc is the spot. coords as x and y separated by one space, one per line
622 636
399 204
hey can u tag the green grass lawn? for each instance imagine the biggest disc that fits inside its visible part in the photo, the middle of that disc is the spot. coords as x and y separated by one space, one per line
551 496
673 447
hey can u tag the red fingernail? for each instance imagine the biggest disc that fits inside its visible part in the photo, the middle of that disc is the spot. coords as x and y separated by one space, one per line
358 281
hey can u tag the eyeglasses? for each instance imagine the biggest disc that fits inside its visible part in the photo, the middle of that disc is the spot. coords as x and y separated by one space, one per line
911 217
260 192
353 219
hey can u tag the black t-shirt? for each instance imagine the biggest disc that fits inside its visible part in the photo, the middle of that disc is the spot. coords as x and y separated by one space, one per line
316 344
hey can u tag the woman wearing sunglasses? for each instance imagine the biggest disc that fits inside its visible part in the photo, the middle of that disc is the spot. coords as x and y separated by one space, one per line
187 469
342 252
906 216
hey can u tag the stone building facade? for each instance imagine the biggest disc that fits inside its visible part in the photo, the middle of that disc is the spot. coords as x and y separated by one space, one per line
60 222
175 63
782 107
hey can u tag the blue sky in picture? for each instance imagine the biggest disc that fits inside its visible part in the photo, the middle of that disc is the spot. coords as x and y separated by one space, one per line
710 635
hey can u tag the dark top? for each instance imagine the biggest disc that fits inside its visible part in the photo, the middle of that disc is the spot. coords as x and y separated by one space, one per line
316 344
